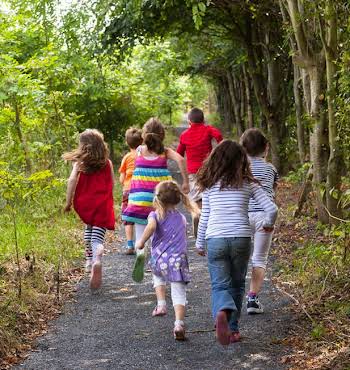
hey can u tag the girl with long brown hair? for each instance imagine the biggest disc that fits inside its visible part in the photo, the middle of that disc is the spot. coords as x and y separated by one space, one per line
228 184
90 191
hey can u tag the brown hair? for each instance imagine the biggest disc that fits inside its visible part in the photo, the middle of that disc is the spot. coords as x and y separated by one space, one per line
196 115
227 164
92 153
133 137
254 141
168 193
153 134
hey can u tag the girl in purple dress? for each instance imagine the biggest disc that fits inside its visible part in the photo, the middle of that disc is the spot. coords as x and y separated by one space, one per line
168 262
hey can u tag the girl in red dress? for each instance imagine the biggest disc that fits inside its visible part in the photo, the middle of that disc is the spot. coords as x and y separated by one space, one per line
90 191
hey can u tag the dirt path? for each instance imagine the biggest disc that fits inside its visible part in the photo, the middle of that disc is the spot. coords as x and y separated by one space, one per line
114 329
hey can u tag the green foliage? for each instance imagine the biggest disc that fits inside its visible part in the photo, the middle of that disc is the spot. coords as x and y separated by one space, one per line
297 176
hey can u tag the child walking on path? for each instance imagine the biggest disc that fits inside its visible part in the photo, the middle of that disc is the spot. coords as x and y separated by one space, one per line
228 184
256 146
196 143
90 190
169 261
150 169
133 138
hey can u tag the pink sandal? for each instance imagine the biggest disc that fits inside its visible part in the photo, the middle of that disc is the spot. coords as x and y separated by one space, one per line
159 311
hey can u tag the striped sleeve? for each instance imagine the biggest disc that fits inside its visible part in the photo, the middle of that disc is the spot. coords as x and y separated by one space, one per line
266 204
203 222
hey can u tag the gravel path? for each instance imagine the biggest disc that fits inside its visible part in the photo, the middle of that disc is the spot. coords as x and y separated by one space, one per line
114 328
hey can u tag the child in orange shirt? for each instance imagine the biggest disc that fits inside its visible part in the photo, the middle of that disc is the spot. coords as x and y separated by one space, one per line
133 138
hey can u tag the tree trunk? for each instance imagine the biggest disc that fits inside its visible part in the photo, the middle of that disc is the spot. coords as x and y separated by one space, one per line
334 161
298 115
248 92
236 97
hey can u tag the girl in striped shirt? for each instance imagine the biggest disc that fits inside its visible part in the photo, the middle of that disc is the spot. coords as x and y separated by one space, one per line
228 184
256 145
150 169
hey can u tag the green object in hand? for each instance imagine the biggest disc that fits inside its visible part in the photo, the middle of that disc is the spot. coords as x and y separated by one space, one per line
139 266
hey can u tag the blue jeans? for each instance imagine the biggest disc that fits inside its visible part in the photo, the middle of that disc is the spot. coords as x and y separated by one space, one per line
228 261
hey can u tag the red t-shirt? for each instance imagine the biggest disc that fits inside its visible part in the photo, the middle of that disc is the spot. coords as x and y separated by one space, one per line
196 142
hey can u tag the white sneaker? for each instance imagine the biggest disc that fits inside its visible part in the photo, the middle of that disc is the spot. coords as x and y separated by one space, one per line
254 306
88 265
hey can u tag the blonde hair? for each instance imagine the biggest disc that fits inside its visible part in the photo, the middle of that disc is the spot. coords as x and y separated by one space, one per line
92 153
168 193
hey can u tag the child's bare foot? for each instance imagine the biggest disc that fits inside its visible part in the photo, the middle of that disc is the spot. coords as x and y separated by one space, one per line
96 275
223 331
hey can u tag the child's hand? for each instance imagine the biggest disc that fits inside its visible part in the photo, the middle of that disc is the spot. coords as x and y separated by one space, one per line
139 245
68 208
268 229
201 252
185 187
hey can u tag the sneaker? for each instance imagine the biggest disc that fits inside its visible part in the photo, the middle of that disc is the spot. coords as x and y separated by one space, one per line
235 337
179 332
130 251
223 331
159 311
88 265
96 276
254 306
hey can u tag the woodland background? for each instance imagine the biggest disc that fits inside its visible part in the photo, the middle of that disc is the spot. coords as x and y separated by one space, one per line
282 66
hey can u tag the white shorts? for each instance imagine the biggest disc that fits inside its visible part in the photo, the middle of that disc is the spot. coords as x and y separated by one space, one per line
261 239
195 194
178 290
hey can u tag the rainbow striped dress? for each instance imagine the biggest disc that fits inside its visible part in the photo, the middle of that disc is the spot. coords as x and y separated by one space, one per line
147 175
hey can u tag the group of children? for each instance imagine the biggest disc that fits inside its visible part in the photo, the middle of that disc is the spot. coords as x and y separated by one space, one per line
232 183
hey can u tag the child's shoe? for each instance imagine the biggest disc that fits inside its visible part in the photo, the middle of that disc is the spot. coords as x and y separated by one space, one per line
159 311
254 306
235 337
88 265
223 331
130 251
96 275
179 331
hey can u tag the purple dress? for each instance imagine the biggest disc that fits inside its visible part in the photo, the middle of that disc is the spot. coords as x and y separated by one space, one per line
169 248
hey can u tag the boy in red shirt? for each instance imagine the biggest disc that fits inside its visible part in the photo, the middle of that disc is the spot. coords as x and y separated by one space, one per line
196 142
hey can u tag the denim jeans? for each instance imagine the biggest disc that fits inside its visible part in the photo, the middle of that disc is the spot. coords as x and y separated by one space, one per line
228 261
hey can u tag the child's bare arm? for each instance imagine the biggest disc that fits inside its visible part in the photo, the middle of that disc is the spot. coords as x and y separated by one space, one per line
171 154
71 185
150 229
122 178
112 173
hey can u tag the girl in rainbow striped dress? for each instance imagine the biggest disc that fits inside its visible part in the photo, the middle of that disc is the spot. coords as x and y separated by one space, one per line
150 169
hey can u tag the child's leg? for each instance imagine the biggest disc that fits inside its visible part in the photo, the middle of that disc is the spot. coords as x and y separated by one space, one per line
88 248
262 243
240 253
97 240
178 296
223 304
139 229
129 233
160 288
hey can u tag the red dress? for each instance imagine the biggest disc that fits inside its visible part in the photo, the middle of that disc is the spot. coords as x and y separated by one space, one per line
93 198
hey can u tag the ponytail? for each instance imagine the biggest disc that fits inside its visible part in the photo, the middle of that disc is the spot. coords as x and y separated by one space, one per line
154 143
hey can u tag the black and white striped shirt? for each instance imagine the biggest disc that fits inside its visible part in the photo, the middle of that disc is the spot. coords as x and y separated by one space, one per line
267 175
225 212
